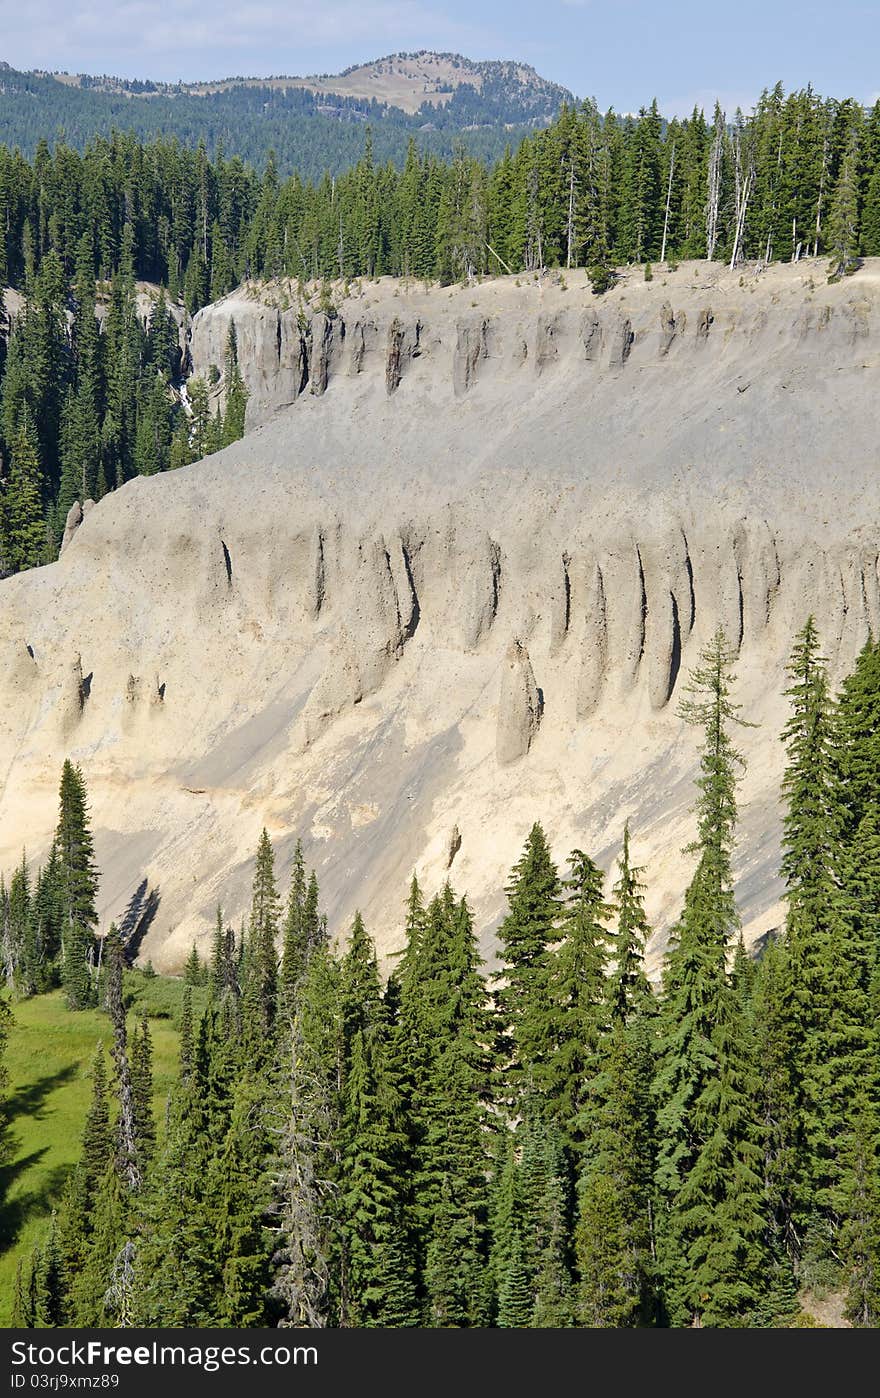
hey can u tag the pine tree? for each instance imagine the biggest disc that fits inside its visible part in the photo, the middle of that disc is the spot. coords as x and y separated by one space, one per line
187 1040
48 1274
843 222
575 998
860 1233
628 988
370 1204
236 393
128 1163
516 1301
528 930
708 1154
306 1179
295 949
23 533
193 971
77 880
829 1001
261 988
142 1091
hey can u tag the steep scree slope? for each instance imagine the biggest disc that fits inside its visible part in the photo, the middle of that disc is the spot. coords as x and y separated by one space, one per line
452 584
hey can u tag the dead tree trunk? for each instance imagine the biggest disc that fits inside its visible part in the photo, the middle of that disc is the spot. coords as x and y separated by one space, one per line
127 1144
714 200
668 202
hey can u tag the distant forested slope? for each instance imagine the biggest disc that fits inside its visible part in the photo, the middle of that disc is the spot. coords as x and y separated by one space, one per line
309 132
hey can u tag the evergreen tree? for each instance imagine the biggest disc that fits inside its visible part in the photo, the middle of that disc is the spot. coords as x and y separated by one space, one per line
843 222
77 881
23 531
829 999
526 933
575 998
709 1223
142 1091
261 986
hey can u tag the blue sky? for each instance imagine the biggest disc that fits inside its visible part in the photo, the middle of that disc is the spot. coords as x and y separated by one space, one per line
623 52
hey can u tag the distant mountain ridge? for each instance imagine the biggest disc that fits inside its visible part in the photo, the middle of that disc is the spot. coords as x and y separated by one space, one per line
310 122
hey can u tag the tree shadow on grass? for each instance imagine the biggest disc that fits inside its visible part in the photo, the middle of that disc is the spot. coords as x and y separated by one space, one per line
30 1097
15 1213
27 1100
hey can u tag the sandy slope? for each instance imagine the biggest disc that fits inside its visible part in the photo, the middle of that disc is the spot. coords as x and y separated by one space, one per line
313 630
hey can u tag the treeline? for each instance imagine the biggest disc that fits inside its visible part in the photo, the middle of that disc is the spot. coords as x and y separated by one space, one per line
82 412
87 399
800 175
309 132
558 1145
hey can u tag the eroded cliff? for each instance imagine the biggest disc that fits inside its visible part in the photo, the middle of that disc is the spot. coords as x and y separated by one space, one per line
451 585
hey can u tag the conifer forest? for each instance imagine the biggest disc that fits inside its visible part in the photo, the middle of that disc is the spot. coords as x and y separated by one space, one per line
560 1143
83 411
573 1134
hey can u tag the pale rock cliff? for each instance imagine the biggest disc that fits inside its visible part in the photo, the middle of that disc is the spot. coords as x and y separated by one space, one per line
453 581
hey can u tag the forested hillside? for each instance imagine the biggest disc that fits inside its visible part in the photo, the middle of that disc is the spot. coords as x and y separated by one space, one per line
311 130
557 1145
80 413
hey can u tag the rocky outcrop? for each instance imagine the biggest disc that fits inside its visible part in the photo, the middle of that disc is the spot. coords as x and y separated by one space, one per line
75 516
591 335
470 348
364 338
478 591
621 343
594 646
288 343
546 341
519 706
310 630
670 326
322 344
71 524
403 344
74 690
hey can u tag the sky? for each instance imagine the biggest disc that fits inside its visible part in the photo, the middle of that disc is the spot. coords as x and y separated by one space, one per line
622 52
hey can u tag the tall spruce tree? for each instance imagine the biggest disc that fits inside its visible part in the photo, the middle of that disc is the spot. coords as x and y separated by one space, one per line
529 929
77 883
829 992
709 1223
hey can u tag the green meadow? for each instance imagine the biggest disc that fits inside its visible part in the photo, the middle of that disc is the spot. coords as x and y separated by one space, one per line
48 1061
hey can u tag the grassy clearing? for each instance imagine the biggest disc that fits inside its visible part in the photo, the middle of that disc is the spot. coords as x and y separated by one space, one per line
48 1060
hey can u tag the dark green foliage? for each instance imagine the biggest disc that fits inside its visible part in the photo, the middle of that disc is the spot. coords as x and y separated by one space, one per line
710 1222
528 931
295 947
568 1152
829 960
261 960
574 997
81 412
142 1092
77 885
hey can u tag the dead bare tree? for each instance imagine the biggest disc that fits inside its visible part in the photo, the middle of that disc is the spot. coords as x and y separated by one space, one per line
127 1144
302 1273
743 168
569 231
668 202
713 204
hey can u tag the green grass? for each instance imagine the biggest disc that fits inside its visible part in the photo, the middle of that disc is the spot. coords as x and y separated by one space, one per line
48 1060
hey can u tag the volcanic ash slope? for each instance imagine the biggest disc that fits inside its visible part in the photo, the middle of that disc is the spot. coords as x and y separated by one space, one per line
452 583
